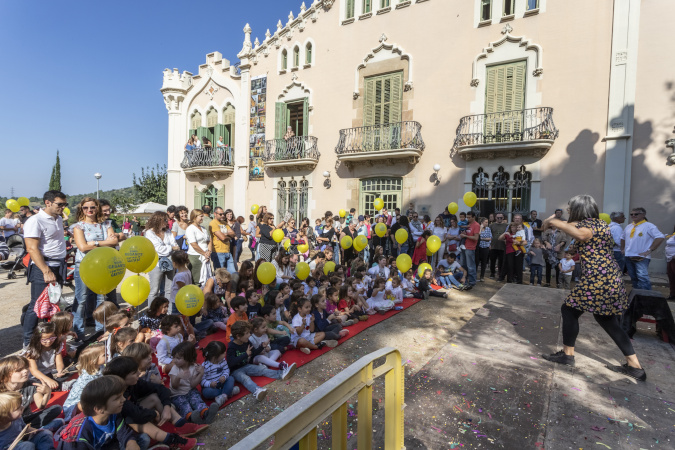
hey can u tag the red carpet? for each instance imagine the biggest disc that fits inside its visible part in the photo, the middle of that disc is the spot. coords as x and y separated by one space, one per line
291 356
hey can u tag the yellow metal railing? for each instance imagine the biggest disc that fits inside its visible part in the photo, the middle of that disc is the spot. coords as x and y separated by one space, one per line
298 424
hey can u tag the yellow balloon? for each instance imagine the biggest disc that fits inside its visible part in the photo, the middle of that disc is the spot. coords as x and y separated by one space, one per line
254 209
278 235
12 205
360 243
343 213
153 264
401 236
346 242
428 252
23 201
287 244
433 243
453 208
378 204
266 273
189 300
138 253
328 267
302 270
102 269
66 211
422 268
403 262
605 217
135 290
470 199
380 229
303 248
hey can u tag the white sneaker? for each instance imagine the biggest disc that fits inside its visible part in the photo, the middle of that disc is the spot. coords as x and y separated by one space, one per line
330 343
260 394
288 372
235 391
305 350
221 399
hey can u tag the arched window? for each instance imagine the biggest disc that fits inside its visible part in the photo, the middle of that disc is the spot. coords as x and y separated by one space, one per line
196 121
308 53
510 196
211 118
284 59
520 198
500 191
296 56
293 198
349 13
480 184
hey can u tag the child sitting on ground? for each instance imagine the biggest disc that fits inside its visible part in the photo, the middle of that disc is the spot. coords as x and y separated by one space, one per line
240 357
142 354
305 337
44 355
120 339
408 284
14 376
393 290
239 307
347 307
252 304
323 320
377 301
425 288
101 426
12 424
217 383
150 322
447 269
332 307
261 345
100 315
310 287
63 326
279 330
185 376
88 366
215 311
172 330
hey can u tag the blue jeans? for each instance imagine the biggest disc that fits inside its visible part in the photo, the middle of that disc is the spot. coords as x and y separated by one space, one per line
639 273
448 280
244 375
620 260
237 251
42 440
225 260
535 269
86 301
470 265
190 402
226 388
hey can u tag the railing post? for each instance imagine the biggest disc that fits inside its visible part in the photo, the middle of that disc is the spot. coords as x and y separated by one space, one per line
394 388
309 442
365 405
340 428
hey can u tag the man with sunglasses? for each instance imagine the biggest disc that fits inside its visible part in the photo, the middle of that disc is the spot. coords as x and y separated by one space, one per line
43 233
640 238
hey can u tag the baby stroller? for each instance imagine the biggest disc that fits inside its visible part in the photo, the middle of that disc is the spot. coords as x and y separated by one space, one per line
17 248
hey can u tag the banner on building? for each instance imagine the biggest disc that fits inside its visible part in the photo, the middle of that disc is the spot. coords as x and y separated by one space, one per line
257 133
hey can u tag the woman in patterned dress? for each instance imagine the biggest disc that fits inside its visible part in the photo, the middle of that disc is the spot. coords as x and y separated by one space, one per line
600 290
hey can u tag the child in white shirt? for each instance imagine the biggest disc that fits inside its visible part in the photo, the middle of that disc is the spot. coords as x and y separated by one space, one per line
566 267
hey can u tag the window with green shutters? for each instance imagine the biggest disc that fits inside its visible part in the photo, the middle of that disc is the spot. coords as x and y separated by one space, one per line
308 53
349 13
485 10
284 60
296 56
280 120
509 7
367 6
385 3
196 120
505 98
211 118
382 111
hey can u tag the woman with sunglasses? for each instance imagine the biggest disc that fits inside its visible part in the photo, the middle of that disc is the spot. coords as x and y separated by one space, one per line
90 233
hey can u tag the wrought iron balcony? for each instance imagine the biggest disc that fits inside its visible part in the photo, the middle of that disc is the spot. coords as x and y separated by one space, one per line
527 132
208 160
295 152
390 142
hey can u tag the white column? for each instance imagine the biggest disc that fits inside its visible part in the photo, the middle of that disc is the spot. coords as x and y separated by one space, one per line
620 114
241 143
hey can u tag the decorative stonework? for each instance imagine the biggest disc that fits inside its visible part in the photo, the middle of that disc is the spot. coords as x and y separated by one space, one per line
383 38
408 86
474 154
507 29
211 90
247 48
475 82
356 95
510 39
537 72
394 50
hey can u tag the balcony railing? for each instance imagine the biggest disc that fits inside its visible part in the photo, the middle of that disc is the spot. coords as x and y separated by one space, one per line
207 157
533 124
387 137
292 149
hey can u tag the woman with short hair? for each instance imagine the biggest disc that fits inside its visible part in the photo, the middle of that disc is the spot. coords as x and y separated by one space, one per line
600 289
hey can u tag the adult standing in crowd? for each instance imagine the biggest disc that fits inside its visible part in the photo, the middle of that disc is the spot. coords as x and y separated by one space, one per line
416 226
452 237
599 291
438 229
157 231
263 233
291 233
221 238
378 241
617 219
639 240
497 247
235 236
241 236
197 239
180 225
126 227
9 225
43 233
135 226
89 232
471 236
554 241
670 260
106 211
171 212
483 247
350 253
535 224
250 232
24 213
206 209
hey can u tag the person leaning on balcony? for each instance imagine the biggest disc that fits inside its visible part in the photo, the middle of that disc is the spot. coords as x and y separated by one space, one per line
196 142
638 241
206 143
289 133
190 144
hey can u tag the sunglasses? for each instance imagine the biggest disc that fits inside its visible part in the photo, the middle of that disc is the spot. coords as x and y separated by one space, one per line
89 208
47 340
635 214
60 205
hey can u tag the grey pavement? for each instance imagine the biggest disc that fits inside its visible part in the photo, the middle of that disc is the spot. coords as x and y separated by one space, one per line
489 386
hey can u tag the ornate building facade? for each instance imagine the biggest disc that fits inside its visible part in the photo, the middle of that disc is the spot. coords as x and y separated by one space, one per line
524 102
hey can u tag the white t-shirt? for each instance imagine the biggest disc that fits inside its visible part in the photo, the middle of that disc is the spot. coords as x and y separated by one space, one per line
183 277
259 341
184 385
642 239
193 233
449 267
439 231
381 272
297 321
617 232
164 246
567 264
49 231
11 223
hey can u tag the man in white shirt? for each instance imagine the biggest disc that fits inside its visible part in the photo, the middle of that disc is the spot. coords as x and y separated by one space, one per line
9 225
617 218
43 234
639 240
416 227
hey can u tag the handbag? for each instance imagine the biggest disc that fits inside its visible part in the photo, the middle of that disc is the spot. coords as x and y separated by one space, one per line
165 264
44 309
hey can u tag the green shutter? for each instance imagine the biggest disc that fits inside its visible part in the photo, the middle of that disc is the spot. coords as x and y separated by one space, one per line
396 98
383 102
202 132
367 4
350 9
198 199
191 131
220 197
308 54
369 102
280 120
505 91
305 116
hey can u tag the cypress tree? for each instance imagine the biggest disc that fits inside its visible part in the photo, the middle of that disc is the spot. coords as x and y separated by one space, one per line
55 180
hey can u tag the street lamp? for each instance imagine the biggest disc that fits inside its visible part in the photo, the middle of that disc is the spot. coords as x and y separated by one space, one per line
98 177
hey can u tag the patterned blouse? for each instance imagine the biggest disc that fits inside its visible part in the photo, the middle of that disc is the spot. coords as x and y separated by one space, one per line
486 233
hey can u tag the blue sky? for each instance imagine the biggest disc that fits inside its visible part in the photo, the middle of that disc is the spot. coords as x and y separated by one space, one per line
84 77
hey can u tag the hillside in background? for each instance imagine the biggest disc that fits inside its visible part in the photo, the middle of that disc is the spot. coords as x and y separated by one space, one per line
121 197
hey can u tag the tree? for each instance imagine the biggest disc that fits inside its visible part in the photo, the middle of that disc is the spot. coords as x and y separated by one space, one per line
151 185
55 180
